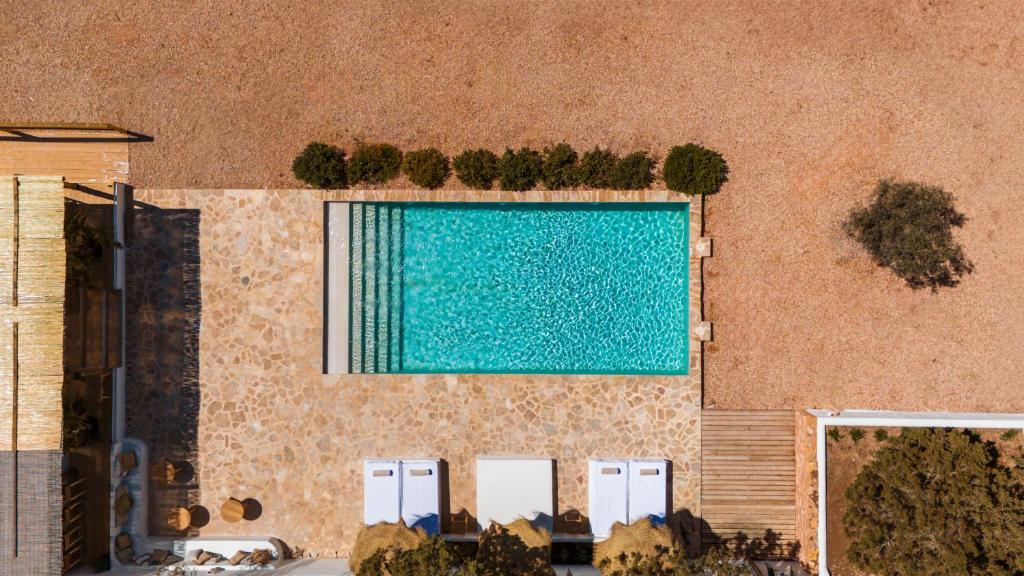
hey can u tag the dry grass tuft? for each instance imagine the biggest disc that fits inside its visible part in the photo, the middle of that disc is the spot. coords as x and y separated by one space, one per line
516 548
640 537
384 536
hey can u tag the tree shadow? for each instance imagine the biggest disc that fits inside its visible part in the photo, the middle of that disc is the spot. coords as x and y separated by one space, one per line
500 552
163 307
697 537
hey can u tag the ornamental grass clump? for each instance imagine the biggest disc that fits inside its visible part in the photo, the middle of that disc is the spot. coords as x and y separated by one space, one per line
694 170
936 502
427 168
908 228
560 167
476 168
633 172
382 541
597 168
321 166
374 163
519 170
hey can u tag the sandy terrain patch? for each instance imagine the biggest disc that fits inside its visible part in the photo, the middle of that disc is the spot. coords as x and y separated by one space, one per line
810 103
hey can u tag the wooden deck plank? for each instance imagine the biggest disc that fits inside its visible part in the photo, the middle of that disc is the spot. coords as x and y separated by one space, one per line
748 477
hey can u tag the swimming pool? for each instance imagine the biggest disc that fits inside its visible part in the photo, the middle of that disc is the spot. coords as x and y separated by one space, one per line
554 288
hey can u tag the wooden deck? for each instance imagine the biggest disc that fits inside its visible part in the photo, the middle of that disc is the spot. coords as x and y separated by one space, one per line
91 159
748 481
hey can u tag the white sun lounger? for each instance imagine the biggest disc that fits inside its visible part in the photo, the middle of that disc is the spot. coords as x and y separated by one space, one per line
421 495
648 490
512 488
382 493
626 491
608 495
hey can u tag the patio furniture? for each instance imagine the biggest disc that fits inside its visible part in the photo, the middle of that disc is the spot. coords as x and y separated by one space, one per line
126 461
164 471
403 489
179 519
624 491
462 522
512 488
232 510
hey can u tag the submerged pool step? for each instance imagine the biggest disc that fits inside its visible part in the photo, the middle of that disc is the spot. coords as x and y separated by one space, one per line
376 236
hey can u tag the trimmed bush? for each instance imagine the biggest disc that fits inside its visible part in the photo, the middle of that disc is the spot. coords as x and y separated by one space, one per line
597 168
321 166
694 170
476 168
382 541
908 228
639 542
560 170
374 163
515 549
427 168
519 170
936 502
633 172
432 557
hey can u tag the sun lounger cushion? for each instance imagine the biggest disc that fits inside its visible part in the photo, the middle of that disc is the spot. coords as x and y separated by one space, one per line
648 490
509 488
421 495
608 495
382 494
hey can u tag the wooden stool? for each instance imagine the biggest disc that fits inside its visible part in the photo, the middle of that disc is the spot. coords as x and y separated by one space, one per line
233 510
179 519
164 472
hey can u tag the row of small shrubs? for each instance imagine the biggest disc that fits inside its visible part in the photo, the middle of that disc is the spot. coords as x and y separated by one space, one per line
689 169
520 549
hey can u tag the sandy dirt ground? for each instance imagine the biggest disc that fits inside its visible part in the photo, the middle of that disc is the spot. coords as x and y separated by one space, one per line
811 103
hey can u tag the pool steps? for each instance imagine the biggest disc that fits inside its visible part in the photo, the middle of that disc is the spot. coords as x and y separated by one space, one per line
375 270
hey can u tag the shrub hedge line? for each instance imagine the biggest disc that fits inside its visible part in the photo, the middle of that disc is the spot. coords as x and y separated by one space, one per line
689 169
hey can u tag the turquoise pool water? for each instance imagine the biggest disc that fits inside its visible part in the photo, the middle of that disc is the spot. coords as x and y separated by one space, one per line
520 288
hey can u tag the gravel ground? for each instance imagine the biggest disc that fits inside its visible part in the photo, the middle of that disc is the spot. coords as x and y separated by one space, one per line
811 103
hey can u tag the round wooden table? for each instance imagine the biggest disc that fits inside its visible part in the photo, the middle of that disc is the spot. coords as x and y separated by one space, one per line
232 510
179 519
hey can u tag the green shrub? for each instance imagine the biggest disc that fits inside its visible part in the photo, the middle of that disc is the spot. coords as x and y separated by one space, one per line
1010 434
476 168
936 502
718 561
694 170
597 168
560 170
633 172
908 228
834 434
881 435
374 163
432 558
427 168
519 170
321 166
857 434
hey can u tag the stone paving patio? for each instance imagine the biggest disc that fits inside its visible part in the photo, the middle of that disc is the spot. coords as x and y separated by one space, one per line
272 427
